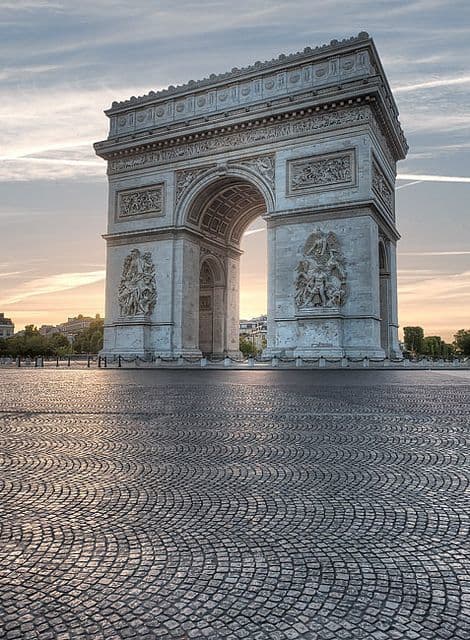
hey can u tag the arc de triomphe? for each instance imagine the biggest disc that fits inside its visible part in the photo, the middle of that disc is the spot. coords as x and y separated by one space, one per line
310 142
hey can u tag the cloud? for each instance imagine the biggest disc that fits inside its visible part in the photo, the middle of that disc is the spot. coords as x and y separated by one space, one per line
439 302
53 284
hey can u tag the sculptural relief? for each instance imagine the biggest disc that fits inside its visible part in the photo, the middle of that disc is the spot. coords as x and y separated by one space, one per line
264 166
381 186
321 276
137 292
332 170
146 201
228 141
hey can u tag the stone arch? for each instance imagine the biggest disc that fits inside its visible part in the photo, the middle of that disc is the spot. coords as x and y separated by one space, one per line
212 305
236 189
218 208
304 140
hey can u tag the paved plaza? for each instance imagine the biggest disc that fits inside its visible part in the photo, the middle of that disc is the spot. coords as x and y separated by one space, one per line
233 504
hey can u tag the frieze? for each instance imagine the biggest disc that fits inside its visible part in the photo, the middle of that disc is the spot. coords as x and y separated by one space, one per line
381 186
146 201
247 137
327 171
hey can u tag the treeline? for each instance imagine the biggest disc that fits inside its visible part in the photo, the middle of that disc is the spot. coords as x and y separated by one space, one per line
417 344
31 343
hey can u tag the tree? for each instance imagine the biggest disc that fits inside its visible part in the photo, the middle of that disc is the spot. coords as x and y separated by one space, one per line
462 342
90 340
58 345
247 347
414 337
435 347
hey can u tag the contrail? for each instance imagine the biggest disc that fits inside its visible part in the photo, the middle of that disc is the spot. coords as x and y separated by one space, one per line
409 184
430 84
434 253
249 233
431 178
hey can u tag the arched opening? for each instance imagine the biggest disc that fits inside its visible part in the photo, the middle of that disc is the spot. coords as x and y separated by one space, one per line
211 307
384 292
220 213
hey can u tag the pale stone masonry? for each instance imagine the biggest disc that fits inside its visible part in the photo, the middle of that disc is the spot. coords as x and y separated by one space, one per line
7 328
310 142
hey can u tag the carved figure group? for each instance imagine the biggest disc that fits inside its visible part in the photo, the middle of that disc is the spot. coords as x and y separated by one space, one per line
321 171
137 291
141 202
321 276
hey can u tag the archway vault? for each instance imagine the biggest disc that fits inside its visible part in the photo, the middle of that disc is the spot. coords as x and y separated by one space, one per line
309 141
222 202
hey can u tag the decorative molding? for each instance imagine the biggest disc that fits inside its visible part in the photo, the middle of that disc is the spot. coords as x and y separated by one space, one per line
185 178
146 201
320 282
264 166
205 302
137 293
322 172
339 62
246 137
381 187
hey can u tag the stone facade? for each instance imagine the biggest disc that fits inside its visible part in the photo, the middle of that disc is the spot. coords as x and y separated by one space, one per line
7 328
310 142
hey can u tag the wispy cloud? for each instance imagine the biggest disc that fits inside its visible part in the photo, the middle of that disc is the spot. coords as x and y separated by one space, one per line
53 284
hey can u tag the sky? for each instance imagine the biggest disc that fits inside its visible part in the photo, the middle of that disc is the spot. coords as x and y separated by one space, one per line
63 62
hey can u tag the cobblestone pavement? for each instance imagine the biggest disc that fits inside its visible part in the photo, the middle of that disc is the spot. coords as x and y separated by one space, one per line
227 505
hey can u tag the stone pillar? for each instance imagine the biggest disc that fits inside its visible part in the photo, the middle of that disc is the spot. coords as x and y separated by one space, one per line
186 268
232 302
394 345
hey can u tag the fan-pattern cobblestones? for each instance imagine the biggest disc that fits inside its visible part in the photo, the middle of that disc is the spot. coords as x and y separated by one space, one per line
223 505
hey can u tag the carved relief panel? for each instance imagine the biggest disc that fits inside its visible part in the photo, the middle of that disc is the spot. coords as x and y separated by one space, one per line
320 281
137 293
144 202
382 188
319 173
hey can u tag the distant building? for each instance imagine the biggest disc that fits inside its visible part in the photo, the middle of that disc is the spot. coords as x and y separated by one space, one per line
7 328
47 330
255 330
74 325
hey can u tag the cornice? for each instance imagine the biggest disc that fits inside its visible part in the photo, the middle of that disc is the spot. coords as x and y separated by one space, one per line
363 208
258 67
135 145
331 70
